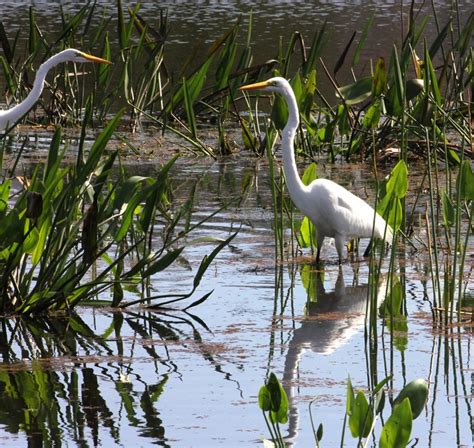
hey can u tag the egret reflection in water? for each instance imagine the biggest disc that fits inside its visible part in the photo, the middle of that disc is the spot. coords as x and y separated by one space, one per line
332 318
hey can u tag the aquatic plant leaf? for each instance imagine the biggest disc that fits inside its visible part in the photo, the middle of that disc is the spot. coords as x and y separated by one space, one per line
379 81
414 87
360 421
189 108
449 215
342 57
8 77
358 91
43 234
33 36
319 40
279 113
417 392
379 401
396 431
430 77
464 182
398 182
306 102
349 397
310 174
5 187
104 70
396 93
319 432
199 301
97 149
381 384
264 399
207 260
343 121
279 400
372 116
162 263
68 28
307 233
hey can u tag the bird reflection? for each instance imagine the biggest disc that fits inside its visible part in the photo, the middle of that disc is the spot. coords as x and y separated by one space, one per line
331 319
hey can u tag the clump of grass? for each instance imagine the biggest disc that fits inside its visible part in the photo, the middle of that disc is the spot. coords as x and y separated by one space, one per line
66 236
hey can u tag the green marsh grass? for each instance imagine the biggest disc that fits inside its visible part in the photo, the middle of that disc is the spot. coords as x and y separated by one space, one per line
69 234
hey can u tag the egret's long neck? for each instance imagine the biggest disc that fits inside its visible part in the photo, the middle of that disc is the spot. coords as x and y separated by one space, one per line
15 113
293 180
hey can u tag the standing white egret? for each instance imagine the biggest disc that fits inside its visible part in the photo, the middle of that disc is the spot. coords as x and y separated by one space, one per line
9 117
334 211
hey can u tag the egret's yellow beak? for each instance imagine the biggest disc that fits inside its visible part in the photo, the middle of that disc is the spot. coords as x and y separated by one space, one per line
257 85
96 59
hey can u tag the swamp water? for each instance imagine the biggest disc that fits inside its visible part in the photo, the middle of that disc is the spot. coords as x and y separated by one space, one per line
170 378
146 378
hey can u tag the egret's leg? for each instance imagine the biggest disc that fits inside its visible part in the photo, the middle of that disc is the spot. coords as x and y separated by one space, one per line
339 241
319 241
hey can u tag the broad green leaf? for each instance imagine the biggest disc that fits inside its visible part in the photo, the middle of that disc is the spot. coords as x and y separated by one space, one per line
307 233
464 183
449 215
279 113
372 116
264 399
417 392
279 400
362 416
398 182
414 87
380 78
358 91
310 174
396 431
343 122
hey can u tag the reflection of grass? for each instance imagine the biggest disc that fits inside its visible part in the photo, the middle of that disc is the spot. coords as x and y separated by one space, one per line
62 377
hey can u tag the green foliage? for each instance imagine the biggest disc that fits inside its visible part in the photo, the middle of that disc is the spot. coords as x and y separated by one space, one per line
392 310
272 399
71 218
396 431
361 416
307 231
417 393
392 192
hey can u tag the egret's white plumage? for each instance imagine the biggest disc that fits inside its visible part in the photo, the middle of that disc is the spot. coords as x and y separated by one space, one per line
9 117
335 211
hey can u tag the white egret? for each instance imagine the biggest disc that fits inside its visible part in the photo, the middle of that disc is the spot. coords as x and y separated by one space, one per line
334 211
9 117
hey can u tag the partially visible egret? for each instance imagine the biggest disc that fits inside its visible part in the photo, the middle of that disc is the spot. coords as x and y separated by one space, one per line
334 211
9 117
